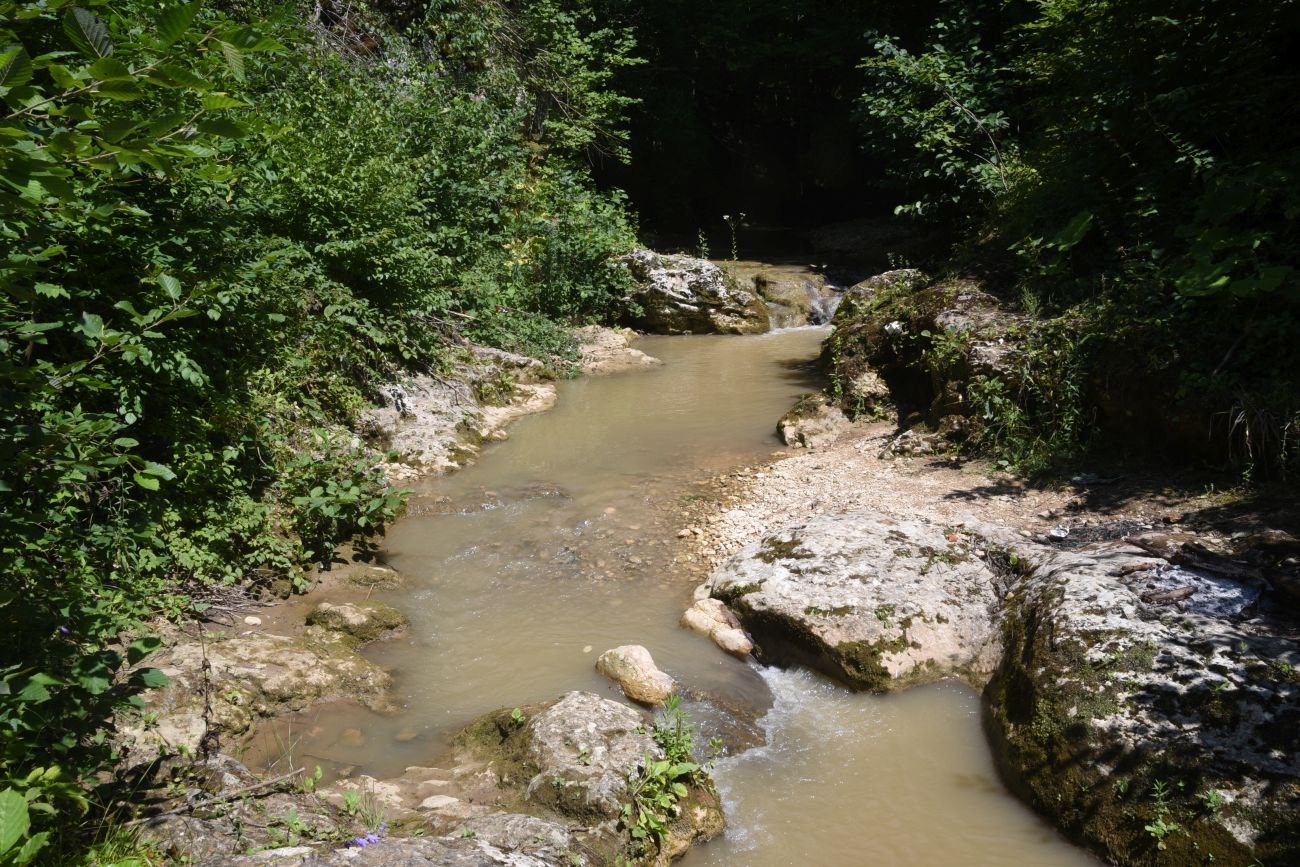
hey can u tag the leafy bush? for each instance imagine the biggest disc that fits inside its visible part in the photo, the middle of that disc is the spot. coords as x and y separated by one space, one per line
220 239
1131 158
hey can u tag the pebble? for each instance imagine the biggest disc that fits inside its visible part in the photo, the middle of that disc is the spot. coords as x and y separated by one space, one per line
682 534
253 620
352 737
587 649
609 510
406 735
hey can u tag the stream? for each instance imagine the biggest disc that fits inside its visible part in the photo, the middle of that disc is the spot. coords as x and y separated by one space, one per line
562 542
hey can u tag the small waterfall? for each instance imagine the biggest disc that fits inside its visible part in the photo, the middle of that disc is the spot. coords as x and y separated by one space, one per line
824 303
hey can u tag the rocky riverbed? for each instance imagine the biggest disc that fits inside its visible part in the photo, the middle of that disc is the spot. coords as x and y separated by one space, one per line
1135 645
1137 663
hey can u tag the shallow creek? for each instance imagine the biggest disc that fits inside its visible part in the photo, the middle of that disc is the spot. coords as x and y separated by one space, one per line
562 542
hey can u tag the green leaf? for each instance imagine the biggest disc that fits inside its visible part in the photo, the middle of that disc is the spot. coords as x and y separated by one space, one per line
15 66
115 130
1271 278
221 126
152 678
147 482
183 76
14 821
49 290
87 33
34 844
1074 231
234 59
142 647
156 469
35 690
218 101
92 325
109 68
122 89
170 285
174 21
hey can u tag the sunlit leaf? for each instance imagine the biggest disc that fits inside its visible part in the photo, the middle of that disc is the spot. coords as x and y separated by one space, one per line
174 21
15 66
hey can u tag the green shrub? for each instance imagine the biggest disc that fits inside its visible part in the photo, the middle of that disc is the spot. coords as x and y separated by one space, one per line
220 240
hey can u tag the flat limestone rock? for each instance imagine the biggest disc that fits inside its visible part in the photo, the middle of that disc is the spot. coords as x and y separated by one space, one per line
251 676
1108 685
606 350
400 852
880 603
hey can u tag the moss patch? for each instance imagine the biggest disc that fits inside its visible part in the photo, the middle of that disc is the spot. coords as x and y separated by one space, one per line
775 548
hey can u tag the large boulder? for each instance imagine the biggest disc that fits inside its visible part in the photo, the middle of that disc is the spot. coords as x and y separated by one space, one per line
573 761
684 295
814 422
1137 694
925 343
879 603
633 668
795 294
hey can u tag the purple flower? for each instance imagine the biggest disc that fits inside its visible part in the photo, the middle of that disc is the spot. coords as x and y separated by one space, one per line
368 839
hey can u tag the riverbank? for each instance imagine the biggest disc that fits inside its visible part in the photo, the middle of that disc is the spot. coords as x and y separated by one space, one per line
252 667
1131 639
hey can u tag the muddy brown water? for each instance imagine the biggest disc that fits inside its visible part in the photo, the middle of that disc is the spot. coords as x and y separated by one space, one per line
562 542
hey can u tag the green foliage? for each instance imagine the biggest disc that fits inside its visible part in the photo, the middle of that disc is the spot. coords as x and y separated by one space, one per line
220 239
940 112
1041 419
1160 827
1133 158
659 784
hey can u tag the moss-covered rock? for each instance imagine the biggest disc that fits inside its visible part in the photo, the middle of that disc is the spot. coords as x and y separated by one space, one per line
1155 734
813 422
925 342
359 621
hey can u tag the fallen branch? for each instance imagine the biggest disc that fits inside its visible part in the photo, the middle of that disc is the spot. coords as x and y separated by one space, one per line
1167 597
221 799
1194 556
1153 550
1134 568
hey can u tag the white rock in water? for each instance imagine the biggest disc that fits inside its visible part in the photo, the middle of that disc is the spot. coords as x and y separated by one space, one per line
711 618
632 667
